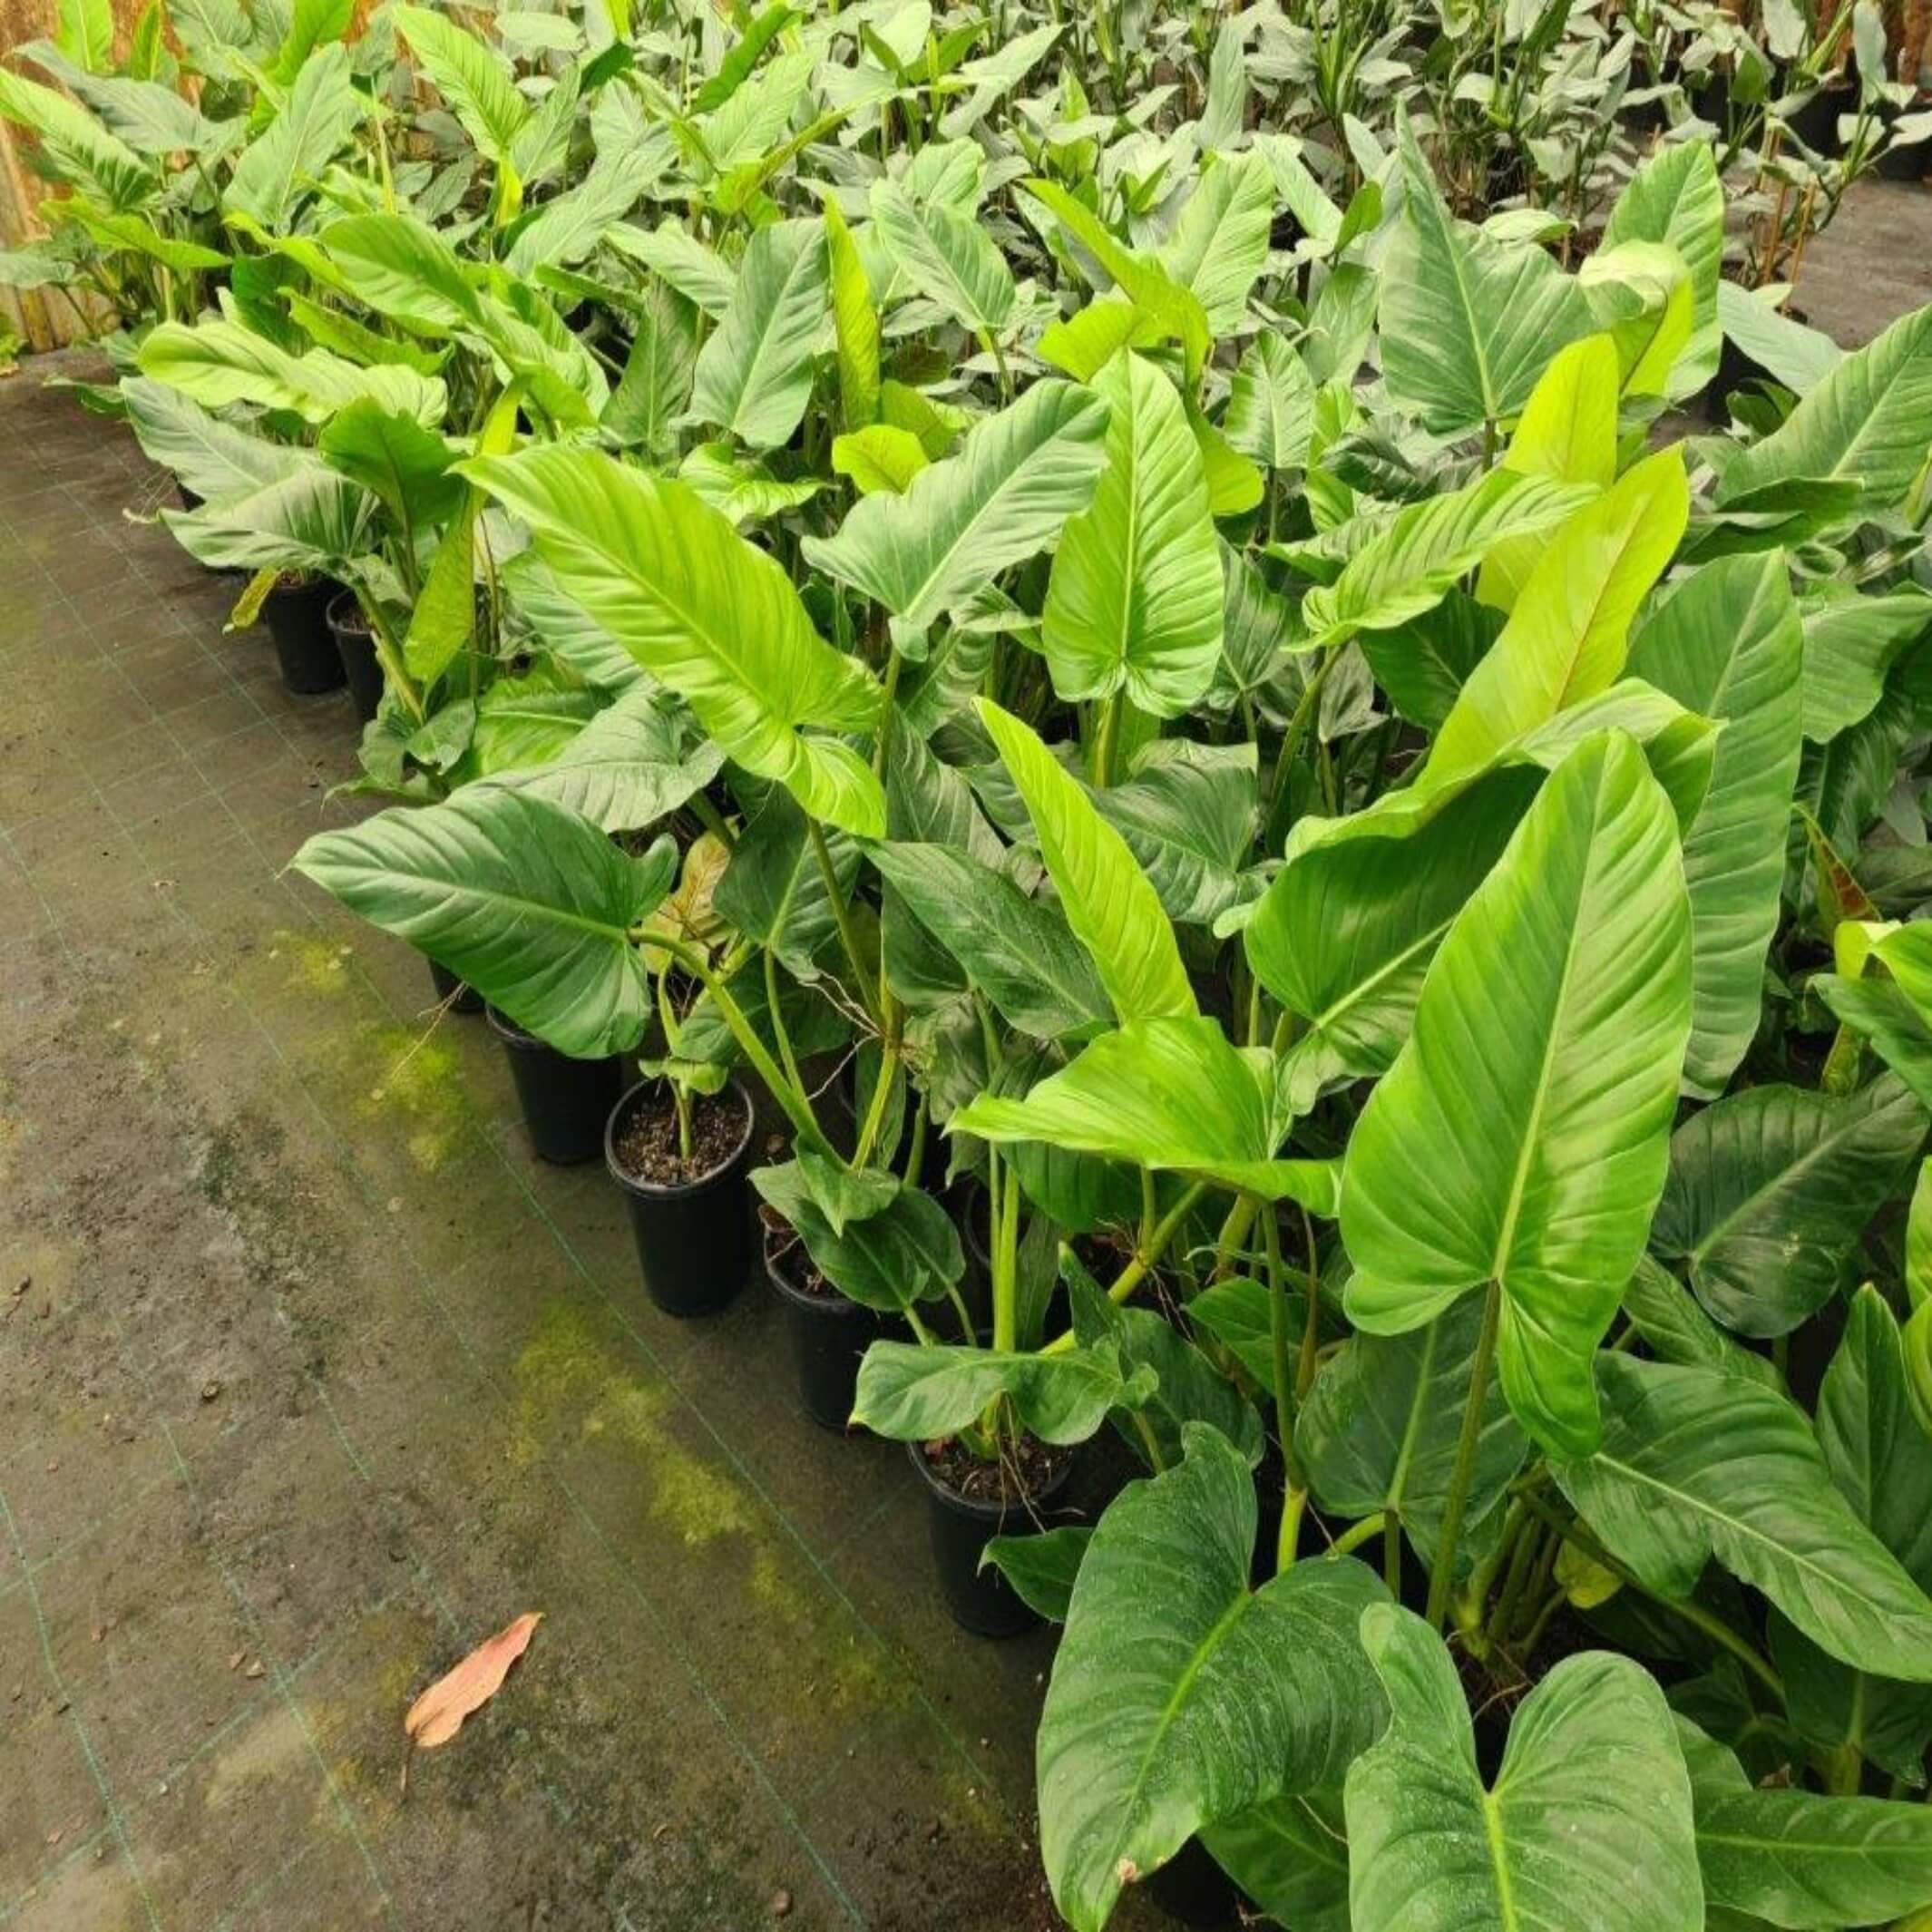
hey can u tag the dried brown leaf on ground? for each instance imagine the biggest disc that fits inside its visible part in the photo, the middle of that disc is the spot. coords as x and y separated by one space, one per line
437 1716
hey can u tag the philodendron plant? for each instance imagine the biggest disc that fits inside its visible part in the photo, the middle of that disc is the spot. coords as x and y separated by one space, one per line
1384 876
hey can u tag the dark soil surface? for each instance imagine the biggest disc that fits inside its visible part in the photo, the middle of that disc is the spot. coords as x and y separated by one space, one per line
1027 1472
648 1147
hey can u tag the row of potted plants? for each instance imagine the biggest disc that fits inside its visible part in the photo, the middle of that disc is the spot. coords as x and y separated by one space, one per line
1160 763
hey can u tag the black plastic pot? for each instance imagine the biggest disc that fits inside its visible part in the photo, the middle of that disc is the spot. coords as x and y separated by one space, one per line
356 647
694 1238
1816 123
981 1601
1190 1887
829 1336
451 991
297 616
565 1102
1907 164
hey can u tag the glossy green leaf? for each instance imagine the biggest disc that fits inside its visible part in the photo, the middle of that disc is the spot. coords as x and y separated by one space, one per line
1676 197
1220 243
218 363
1018 476
913 1394
629 767
707 613
945 254
322 111
1168 1094
1134 602
1017 951
1696 1464
1109 904
1404 569
1590 1812
214 458
1850 644
1769 1190
855 320
1181 1697
1581 934
531 905
879 458
470 77
394 458
754 376
1566 636
1041 1566
309 520
1790 1857
1271 405
1865 421
1379 1427
1290 1856
1467 323
1567 433
907 1252
1188 812
1725 643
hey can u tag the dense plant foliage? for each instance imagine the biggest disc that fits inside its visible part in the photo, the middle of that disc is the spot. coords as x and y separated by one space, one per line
1043 564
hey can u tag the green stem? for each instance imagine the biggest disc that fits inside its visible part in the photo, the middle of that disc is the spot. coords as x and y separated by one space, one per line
1357 1533
1443 1571
1297 1489
1131 1276
1105 740
881 1093
842 917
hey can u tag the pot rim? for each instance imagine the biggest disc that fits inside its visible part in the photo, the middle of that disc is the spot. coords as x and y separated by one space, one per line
989 1512
342 597
675 1190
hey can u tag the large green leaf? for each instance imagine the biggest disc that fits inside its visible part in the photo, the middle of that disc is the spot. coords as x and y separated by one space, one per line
1589 1821
1790 1857
1726 644
1580 939
309 520
1865 421
1017 478
656 387
393 457
531 905
913 1394
1180 1697
470 77
1113 909
1271 405
1188 1388
1797 356
1568 434
1769 1190
74 144
215 459
1405 569
1696 1464
753 375
1566 638
708 613
1134 602
1168 1094
322 111
945 254
626 769
907 1252
855 322
1017 951
1850 644
1467 323
1290 1856
1380 1428
218 363
1188 812
1676 198
1220 244
1346 931
1880 1458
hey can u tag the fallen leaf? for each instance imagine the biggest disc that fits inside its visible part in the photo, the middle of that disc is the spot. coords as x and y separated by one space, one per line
437 1716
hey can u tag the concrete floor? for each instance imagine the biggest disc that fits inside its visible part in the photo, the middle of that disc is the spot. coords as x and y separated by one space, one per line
311 1377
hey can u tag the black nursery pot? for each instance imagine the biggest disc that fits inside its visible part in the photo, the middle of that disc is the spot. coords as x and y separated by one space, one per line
1190 1887
565 1102
297 615
829 1336
981 1601
355 648
693 1237
451 992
